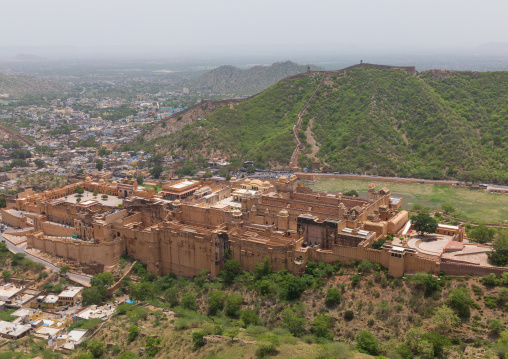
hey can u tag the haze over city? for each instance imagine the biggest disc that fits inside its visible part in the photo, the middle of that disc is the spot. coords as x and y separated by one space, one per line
272 29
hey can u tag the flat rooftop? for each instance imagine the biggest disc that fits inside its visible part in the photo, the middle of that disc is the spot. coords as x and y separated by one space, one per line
7 328
182 184
70 292
77 334
447 226
44 330
8 292
360 232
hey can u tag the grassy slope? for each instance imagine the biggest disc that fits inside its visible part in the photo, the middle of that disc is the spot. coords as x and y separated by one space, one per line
377 121
407 306
258 129
474 205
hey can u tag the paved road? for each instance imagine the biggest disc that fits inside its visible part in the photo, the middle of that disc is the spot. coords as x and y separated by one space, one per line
21 249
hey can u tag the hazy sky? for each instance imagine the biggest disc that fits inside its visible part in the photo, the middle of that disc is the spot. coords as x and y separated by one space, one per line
224 23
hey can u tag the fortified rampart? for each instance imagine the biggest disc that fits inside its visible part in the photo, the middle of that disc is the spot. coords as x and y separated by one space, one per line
449 266
14 219
107 254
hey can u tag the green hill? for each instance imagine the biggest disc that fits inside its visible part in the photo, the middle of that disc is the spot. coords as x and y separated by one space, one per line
433 124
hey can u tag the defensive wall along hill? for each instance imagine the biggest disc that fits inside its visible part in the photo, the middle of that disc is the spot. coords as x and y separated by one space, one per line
197 225
13 135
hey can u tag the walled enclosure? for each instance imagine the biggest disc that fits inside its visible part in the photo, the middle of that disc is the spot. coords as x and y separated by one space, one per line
279 219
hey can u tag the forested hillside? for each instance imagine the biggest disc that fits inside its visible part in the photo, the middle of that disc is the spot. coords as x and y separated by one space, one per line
436 124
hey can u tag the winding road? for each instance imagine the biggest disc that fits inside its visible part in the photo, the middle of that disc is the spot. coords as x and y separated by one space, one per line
81 279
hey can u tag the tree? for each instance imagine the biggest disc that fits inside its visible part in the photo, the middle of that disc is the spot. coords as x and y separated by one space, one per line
232 332
64 269
3 202
332 297
499 254
294 322
460 300
447 208
249 317
95 193
152 346
230 271
425 282
99 164
94 295
349 315
39 163
78 199
216 301
139 180
233 304
351 193
482 234
263 269
367 343
17 258
267 344
103 151
98 349
142 290
321 324
439 343
79 190
104 196
423 222
189 301
445 319
496 326
292 287
156 171
198 340
208 175
18 162
133 333
172 296
6 274
105 279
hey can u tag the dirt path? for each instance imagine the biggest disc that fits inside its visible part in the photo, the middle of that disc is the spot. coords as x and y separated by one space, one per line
311 140
293 164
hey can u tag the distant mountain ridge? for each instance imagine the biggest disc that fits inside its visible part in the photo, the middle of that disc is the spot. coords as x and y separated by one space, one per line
228 79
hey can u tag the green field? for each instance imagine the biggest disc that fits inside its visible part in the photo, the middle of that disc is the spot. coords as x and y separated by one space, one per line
471 205
157 188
